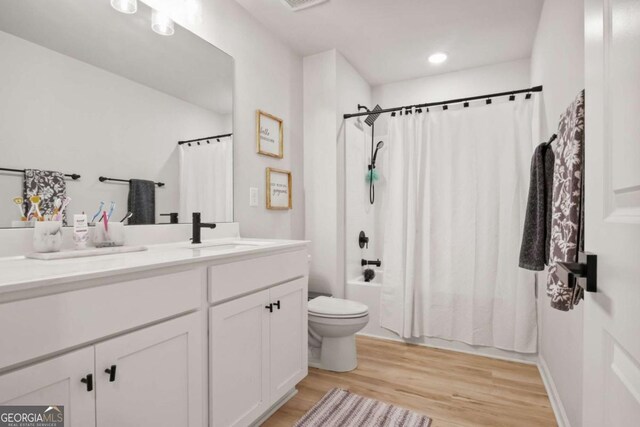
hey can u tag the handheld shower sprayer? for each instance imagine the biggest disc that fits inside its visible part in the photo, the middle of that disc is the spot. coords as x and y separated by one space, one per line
375 155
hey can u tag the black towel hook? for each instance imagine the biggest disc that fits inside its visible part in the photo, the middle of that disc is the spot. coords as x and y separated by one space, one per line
553 138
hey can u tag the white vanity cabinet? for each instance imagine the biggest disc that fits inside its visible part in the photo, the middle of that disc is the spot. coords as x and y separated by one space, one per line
258 342
137 349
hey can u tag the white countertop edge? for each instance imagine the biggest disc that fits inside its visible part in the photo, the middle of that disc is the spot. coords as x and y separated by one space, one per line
71 277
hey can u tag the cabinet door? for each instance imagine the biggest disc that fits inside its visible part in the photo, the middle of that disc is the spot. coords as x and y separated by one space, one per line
158 376
288 335
239 360
55 382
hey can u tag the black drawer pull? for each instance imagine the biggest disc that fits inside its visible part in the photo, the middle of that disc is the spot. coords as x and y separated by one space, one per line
88 380
269 307
277 304
112 373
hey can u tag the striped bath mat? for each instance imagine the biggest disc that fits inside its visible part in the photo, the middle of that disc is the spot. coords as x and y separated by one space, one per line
341 408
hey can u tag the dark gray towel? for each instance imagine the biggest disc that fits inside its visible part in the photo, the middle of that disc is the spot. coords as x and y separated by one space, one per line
534 252
49 185
142 201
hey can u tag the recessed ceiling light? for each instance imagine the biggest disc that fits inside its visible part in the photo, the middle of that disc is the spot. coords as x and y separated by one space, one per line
438 58
125 6
161 23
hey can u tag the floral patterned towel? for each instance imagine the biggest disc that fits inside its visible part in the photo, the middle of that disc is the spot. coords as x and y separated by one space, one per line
567 211
49 185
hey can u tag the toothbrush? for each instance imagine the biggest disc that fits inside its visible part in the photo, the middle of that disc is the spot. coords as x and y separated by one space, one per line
111 208
127 216
98 213
34 212
19 201
65 202
56 207
106 221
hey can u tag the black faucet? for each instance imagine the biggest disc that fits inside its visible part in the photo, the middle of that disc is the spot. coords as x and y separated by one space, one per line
197 226
377 263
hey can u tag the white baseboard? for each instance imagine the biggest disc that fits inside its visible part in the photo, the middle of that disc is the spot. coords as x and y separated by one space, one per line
552 392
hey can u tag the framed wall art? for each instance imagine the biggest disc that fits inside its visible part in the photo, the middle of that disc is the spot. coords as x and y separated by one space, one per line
278 189
269 141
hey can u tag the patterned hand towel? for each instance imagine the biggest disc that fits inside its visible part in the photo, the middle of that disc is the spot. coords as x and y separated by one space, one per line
49 185
536 237
142 201
567 219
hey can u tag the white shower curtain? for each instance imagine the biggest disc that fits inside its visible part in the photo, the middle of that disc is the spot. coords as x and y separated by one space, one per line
206 181
455 205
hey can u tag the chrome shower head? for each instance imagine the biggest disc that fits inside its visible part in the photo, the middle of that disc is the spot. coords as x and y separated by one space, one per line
371 118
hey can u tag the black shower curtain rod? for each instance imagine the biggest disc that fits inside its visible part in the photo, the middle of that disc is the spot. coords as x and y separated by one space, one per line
450 101
205 138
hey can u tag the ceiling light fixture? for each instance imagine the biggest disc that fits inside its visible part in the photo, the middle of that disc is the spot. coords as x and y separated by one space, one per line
161 23
125 6
438 58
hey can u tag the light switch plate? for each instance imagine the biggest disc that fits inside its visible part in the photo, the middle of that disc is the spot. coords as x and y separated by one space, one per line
253 196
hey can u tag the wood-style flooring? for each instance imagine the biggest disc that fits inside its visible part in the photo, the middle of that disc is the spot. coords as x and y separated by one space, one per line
452 388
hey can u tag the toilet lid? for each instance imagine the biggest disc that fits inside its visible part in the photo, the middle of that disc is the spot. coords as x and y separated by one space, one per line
326 306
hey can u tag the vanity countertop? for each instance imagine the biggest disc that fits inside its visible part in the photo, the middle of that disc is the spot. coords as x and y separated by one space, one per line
19 273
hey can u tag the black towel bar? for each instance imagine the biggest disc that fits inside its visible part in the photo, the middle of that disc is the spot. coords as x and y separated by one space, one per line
585 271
73 176
104 178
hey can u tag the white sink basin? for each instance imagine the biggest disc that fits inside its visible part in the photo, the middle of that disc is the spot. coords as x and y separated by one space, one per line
86 252
226 246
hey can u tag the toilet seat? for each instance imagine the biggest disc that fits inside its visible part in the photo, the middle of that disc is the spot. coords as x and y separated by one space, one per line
336 308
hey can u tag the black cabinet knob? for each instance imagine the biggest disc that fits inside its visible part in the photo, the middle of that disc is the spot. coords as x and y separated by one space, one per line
112 373
269 307
277 304
88 380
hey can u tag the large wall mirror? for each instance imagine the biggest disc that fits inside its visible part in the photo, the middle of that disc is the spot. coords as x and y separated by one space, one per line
94 105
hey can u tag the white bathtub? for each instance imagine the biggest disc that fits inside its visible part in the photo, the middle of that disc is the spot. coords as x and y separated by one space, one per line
368 293
377 281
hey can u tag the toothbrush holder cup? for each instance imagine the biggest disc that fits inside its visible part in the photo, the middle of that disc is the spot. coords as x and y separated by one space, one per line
113 236
47 236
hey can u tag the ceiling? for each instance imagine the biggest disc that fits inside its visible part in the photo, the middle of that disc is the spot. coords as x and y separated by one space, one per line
390 40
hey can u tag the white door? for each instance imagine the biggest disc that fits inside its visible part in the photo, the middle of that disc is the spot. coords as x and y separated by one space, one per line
55 382
612 231
288 336
158 376
239 360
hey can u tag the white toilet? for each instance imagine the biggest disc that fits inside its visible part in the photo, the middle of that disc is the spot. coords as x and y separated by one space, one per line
333 323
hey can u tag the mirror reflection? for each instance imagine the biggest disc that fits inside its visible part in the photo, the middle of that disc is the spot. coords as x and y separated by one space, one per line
122 120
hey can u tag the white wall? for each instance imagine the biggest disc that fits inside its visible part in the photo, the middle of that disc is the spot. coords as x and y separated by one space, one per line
62 114
557 63
320 170
332 87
